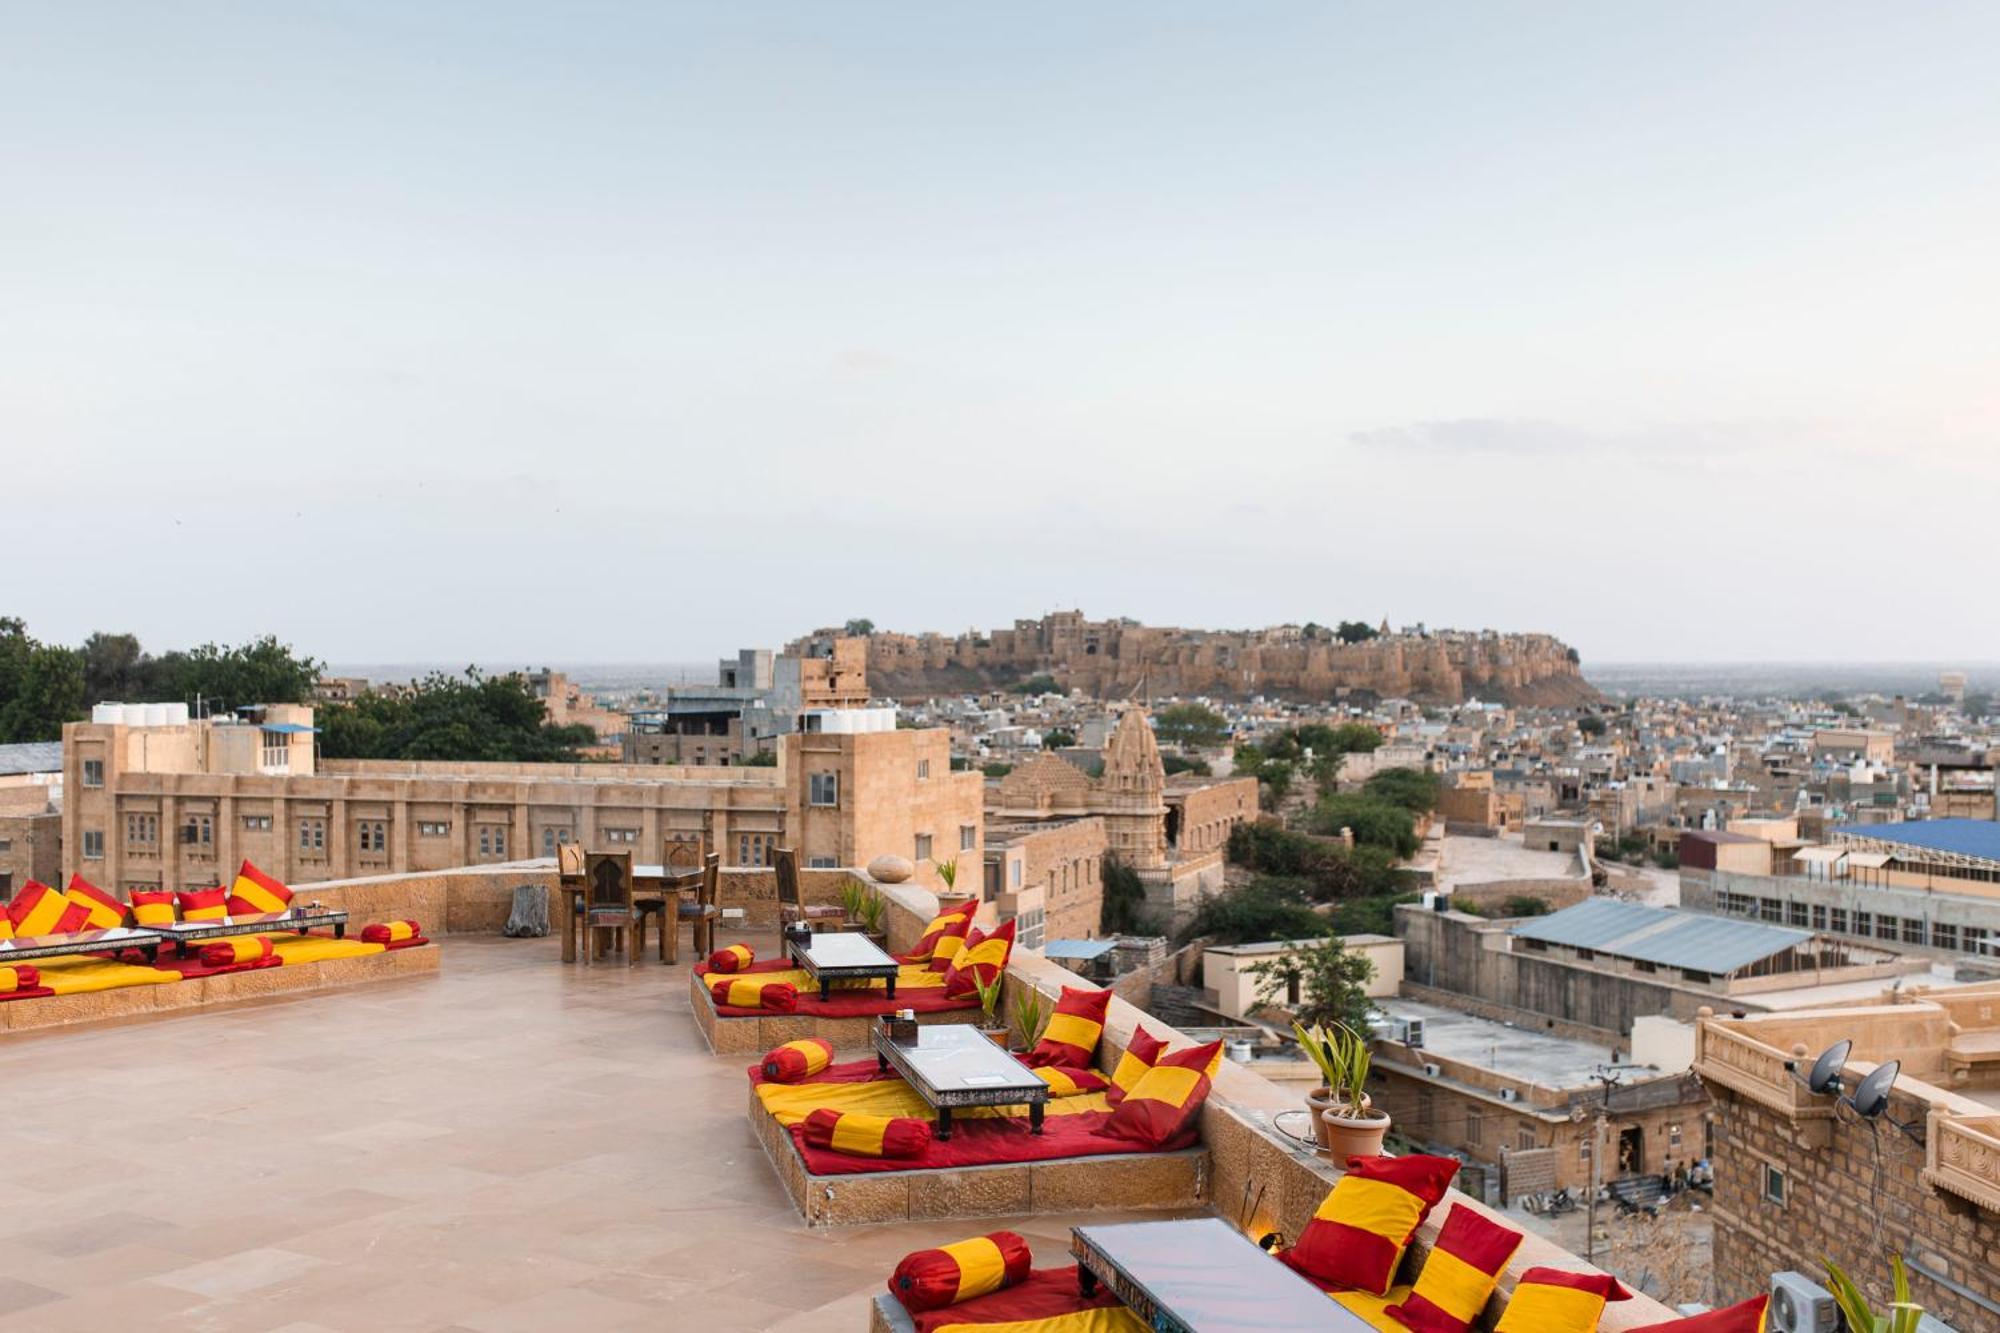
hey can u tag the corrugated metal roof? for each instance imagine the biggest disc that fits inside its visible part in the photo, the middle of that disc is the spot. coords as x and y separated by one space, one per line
31 757
1964 837
1661 935
1079 949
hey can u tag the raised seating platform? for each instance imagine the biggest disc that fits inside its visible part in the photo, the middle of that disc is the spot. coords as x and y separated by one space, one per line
843 1020
91 990
992 1166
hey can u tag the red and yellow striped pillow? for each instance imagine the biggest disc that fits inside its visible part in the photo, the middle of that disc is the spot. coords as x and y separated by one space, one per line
18 977
733 959
39 910
236 949
203 904
749 993
797 1059
962 1271
983 958
1459 1273
861 1135
255 893
1743 1317
153 907
1553 1300
1358 1234
101 910
1071 1082
390 932
1139 1055
950 925
1070 1039
1166 1099
6 926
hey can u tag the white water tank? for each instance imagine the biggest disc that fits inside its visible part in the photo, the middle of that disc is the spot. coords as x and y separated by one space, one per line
177 714
153 715
109 715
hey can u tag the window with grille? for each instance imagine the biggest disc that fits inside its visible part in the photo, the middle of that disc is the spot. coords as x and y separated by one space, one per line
93 844
312 835
823 789
142 831
371 836
93 772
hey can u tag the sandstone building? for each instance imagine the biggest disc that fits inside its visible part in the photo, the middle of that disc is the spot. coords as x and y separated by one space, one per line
1172 833
157 800
1120 658
756 699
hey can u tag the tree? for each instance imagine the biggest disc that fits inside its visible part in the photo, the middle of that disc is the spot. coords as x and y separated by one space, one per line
997 770
41 685
762 759
859 628
1590 724
1056 738
115 668
1415 789
469 717
262 671
1277 782
1190 727
1174 763
1042 684
1124 899
1263 909
1320 982
1356 631
1374 822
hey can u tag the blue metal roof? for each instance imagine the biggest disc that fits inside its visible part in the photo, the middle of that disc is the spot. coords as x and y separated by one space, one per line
1082 950
1662 936
1963 837
288 728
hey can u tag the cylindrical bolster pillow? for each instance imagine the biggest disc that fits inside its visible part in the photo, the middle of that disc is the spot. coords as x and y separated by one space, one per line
861 1135
1064 1082
748 993
733 959
798 1059
390 932
18 977
236 949
933 1279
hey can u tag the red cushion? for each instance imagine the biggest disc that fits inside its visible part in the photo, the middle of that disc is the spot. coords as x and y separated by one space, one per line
257 894
1459 1273
204 904
40 910
933 1279
984 957
797 1059
1744 1317
153 907
1163 1104
1555 1300
102 911
750 993
1070 1039
1357 1236
1139 1056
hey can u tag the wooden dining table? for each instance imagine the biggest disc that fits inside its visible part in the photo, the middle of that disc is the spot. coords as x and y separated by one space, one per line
650 884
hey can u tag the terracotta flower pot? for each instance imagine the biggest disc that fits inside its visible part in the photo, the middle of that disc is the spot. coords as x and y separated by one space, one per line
1355 1136
1000 1036
1318 1102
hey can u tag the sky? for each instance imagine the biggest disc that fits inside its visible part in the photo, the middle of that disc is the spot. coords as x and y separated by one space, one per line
641 332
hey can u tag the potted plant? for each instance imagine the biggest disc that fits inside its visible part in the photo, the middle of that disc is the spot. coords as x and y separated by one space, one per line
853 901
1903 1316
1313 1041
990 1022
947 871
873 912
1354 1128
1031 1010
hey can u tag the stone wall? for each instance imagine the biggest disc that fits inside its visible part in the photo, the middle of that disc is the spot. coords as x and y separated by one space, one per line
1858 1198
1567 891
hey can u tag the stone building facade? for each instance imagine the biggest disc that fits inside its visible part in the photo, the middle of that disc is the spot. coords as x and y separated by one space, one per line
1048 877
30 839
181 805
1798 1181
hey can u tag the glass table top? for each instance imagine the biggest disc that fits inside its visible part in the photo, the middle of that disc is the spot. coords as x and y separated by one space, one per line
844 949
956 1057
1214 1279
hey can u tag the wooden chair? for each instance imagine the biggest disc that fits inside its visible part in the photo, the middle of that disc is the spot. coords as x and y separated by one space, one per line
608 905
569 881
706 910
680 859
792 906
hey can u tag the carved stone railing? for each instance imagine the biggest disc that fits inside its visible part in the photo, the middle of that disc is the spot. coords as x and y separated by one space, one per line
1962 1157
1755 1070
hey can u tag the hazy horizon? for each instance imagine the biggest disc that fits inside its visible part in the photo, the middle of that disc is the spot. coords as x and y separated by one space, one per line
502 332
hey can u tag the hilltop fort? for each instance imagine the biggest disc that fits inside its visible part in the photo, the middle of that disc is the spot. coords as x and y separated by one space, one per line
1120 657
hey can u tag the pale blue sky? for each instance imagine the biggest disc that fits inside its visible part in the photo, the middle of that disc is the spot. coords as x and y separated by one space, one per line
399 329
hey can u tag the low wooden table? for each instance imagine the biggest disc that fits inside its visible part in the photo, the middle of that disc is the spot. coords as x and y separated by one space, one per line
954 1065
841 956
115 940
303 920
1202 1276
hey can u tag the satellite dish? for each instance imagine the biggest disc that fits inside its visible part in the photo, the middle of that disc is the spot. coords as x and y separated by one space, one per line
1825 1076
1871 1095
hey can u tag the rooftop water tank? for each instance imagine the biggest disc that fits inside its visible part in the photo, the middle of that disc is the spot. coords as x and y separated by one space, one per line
109 715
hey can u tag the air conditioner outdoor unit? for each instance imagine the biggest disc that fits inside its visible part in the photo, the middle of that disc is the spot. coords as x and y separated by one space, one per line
1801 1305
1510 1094
1432 1070
1413 1033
